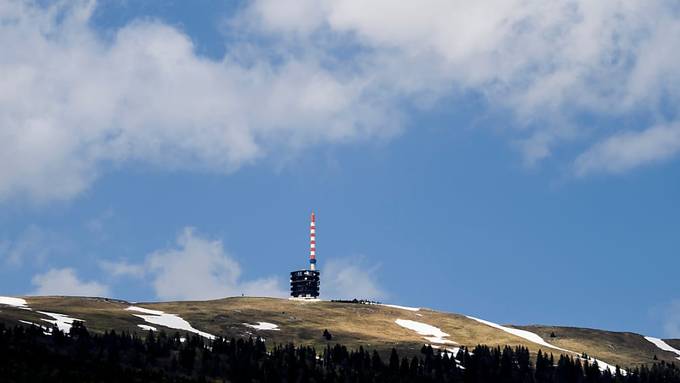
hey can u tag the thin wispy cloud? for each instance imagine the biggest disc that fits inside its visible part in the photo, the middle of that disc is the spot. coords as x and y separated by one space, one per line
629 150
34 245
98 224
122 269
671 320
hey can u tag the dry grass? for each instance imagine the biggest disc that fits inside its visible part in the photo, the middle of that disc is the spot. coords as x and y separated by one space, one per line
354 325
675 343
622 348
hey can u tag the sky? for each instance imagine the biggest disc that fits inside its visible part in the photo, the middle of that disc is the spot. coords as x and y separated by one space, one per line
515 160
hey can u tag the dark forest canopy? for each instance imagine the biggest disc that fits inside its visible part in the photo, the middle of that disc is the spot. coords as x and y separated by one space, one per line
27 355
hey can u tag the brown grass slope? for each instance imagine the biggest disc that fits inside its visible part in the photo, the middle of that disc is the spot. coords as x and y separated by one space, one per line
675 343
355 325
622 348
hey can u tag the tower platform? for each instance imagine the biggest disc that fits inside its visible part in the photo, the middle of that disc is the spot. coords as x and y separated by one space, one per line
304 284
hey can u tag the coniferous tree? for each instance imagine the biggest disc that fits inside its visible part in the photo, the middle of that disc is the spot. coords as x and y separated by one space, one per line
26 354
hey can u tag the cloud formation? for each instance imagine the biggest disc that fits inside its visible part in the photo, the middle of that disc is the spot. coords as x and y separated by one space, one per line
66 282
628 150
349 278
548 64
122 269
72 102
199 268
318 72
33 245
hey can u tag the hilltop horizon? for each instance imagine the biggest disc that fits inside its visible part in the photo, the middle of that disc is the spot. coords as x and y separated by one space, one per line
314 323
510 160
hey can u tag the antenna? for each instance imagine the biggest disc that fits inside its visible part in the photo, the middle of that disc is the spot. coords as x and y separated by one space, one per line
312 242
304 284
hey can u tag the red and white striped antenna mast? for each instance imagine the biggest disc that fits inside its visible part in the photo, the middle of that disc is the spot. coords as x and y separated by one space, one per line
312 242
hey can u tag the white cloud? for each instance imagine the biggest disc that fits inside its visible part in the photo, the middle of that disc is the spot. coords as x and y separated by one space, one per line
122 269
199 268
542 54
348 278
547 62
629 150
71 102
65 282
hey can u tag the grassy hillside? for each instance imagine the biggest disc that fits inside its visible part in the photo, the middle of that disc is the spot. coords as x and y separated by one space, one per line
622 348
354 325
674 342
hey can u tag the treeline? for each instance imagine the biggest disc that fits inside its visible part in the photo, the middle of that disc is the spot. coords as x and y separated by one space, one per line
29 355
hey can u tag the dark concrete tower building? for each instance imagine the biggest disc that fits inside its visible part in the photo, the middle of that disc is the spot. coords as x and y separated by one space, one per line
304 284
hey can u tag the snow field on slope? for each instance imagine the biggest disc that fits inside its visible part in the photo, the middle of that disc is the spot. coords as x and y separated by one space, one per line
535 338
46 330
401 307
14 302
168 320
63 322
602 365
430 333
528 335
663 345
263 326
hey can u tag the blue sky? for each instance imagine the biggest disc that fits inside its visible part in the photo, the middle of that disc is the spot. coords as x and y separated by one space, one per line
519 165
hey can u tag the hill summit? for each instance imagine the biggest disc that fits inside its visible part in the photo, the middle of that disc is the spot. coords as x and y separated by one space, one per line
319 323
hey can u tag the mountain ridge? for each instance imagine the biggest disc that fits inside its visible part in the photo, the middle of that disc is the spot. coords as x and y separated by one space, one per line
355 325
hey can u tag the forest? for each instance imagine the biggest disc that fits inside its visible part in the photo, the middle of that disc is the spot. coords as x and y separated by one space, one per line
29 354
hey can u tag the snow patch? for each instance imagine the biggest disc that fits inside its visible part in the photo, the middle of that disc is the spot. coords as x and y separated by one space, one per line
453 353
145 311
46 330
528 335
263 326
147 327
168 320
430 333
602 365
535 338
452 350
402 307
663 345
63 322
14 302
36 325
